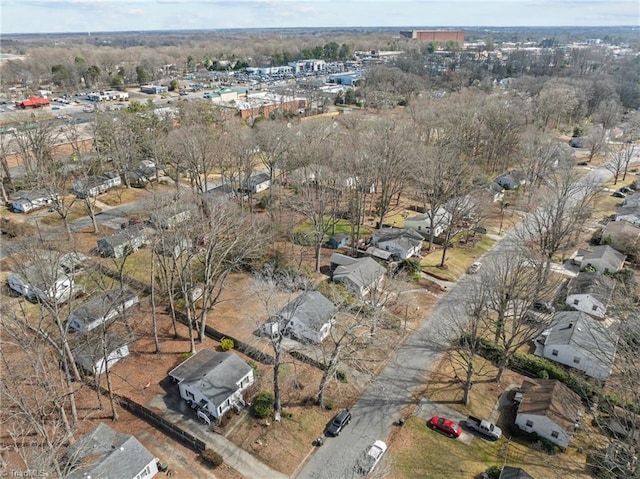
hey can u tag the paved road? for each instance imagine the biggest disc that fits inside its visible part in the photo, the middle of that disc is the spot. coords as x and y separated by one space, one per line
401 381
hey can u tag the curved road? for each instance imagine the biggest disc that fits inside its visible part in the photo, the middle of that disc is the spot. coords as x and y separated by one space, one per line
400 383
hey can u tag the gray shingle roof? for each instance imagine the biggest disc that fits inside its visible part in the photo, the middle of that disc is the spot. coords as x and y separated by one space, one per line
108 454
216 375
613 258
364 272
311 308
88 349
585 334
597 285
101 306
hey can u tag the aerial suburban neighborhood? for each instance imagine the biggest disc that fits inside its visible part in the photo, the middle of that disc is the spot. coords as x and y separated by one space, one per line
330 253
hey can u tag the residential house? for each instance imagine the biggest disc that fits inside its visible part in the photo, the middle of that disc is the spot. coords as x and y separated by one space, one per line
105 453
141 176
212 381
42 281
512 180
426 223
309 317
514 473
359 275
590 293
123 242
173 246
603 259
222 193
24 201
97 184
630 210
101 309
171 216
550 409
402 243
72 262
620 234
256 183
338 240
496 191
89 351
580 342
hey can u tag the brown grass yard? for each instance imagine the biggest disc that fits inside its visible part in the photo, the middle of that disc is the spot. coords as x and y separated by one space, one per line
419 452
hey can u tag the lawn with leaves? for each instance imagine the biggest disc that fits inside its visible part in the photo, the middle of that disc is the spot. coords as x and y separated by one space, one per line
458 259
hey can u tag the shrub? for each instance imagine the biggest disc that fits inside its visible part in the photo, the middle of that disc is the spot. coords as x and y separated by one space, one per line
330 405
262 405
493 472
341 376
226 344
212 458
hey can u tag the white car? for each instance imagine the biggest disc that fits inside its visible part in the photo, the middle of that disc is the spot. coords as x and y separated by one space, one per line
474 268
370 459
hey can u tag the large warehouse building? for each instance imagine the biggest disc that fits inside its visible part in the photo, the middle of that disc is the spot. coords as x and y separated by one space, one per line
441 36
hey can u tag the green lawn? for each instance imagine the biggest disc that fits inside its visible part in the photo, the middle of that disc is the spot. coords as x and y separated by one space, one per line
305 230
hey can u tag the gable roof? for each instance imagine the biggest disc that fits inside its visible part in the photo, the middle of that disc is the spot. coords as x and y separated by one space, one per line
607 254
514 473
595 284
124 235
88 350
31 195
363 272
551 398
441 217
102 305
585 334
108 454
620 230
311 308
216 375
410 236
41 275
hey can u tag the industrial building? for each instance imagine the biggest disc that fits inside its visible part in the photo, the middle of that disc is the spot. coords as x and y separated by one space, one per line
441 36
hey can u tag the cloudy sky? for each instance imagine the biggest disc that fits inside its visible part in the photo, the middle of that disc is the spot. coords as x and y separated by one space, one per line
28 16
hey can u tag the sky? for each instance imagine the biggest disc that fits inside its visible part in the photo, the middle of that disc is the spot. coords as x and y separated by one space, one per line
59 16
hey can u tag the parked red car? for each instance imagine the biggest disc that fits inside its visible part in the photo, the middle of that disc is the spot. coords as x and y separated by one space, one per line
445 426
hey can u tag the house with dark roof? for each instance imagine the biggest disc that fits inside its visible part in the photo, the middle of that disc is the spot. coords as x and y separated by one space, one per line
105 453
630 210
402 243
212 382
124 241
550 409
580 342
512 180
89 351
256 183
603 259
359 275
590 293
338 240
101 309
308 317
24 201
171 216
514 473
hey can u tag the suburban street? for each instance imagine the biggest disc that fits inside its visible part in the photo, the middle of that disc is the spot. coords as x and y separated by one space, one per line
400 383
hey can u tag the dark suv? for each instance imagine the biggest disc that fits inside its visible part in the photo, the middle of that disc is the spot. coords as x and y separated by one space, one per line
340 421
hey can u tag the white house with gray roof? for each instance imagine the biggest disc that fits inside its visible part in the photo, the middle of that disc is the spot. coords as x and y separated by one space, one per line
359 275
308 317
603 259
25 201
44 281
590 293
402 243
101 309
580 342
437 222
105 453
89 351
213 382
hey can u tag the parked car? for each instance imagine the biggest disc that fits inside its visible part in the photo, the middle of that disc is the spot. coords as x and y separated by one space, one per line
485 428
370 459
445 426
474 268
618 194
626 190
338 423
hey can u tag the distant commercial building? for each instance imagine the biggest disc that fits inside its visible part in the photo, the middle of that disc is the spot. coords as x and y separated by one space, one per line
108 95
33 102
154 89
441 36
302 66
346 78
